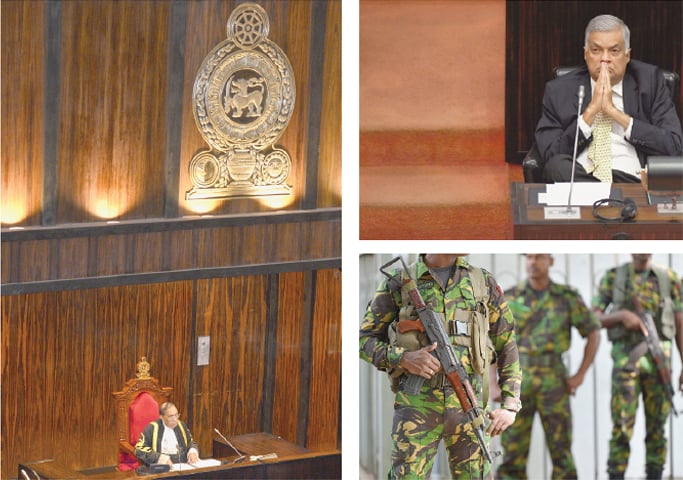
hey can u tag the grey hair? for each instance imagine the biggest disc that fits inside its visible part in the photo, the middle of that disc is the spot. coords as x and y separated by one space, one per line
607 23
165 406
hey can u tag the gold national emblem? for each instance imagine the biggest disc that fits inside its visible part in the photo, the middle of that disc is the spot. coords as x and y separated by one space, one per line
242 100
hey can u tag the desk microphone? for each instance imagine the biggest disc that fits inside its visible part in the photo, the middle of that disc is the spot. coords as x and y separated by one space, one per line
241 456
582 94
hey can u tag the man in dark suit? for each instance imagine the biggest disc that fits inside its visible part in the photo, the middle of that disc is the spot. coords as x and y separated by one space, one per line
627 114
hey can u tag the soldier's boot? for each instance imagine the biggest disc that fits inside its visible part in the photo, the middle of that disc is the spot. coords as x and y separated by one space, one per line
653 472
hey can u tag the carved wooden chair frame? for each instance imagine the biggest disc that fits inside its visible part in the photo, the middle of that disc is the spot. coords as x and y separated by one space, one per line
142 382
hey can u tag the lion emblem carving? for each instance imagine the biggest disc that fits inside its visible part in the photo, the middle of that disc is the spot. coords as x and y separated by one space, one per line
245 97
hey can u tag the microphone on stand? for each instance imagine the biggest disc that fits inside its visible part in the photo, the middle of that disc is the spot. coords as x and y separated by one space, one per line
241 455
582 94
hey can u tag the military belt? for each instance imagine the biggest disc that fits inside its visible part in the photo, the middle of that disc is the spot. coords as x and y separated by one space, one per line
542 360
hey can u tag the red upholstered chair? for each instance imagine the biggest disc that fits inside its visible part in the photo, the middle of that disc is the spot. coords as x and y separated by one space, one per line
136 405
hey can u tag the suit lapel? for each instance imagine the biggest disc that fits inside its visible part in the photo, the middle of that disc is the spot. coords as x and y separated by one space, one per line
586 82
630 95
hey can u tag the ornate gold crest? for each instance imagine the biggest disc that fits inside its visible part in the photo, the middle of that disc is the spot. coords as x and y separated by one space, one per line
143 368
242 100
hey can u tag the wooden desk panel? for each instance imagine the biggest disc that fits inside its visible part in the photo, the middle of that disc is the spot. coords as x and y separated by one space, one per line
293 462
530 224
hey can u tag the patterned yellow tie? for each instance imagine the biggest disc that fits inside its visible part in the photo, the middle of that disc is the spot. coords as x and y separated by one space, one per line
600 149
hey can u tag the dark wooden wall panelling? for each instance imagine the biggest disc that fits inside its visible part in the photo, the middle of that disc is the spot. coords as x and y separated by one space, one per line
23 48
329 158
324 396
64 353
111 109
543 35
100 114
97 252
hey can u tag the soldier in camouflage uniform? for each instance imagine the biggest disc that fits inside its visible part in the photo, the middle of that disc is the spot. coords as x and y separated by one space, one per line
422 420
658 291
545 312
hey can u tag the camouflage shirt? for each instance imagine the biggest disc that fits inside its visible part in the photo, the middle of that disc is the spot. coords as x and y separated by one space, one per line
458 292
645 286
543 320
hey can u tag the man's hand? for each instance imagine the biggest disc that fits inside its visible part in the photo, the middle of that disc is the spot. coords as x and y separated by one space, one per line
501 419
604 90
421 362
165 459
601 101
601 93
631 321
574 382
192 457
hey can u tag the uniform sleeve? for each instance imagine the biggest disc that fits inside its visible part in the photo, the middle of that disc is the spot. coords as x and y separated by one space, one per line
374 338
603 297
582 318
676 291
502 333
143 448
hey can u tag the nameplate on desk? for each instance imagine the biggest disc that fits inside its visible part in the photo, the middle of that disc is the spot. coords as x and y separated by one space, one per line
670 208
267 456
583 193
207 462
562 213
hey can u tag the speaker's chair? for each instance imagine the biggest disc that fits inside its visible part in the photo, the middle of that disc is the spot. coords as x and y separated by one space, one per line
136 405
532 165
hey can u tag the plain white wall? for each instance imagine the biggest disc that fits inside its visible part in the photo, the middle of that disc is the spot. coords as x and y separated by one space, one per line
590 406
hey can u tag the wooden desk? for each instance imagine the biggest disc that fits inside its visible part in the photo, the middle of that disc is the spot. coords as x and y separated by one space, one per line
257 444
529 222
293 462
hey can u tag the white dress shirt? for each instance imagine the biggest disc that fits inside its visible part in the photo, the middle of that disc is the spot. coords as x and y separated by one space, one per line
624 155
169 442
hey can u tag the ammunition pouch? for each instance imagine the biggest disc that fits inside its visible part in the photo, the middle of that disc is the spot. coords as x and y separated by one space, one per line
668 329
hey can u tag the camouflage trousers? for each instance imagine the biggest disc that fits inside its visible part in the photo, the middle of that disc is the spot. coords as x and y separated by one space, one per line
544 390
630 379
420 422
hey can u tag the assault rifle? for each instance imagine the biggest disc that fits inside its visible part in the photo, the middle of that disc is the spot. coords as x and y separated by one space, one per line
647 326
430 323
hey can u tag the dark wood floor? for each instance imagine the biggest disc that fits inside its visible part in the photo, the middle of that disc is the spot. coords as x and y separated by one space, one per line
435 185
